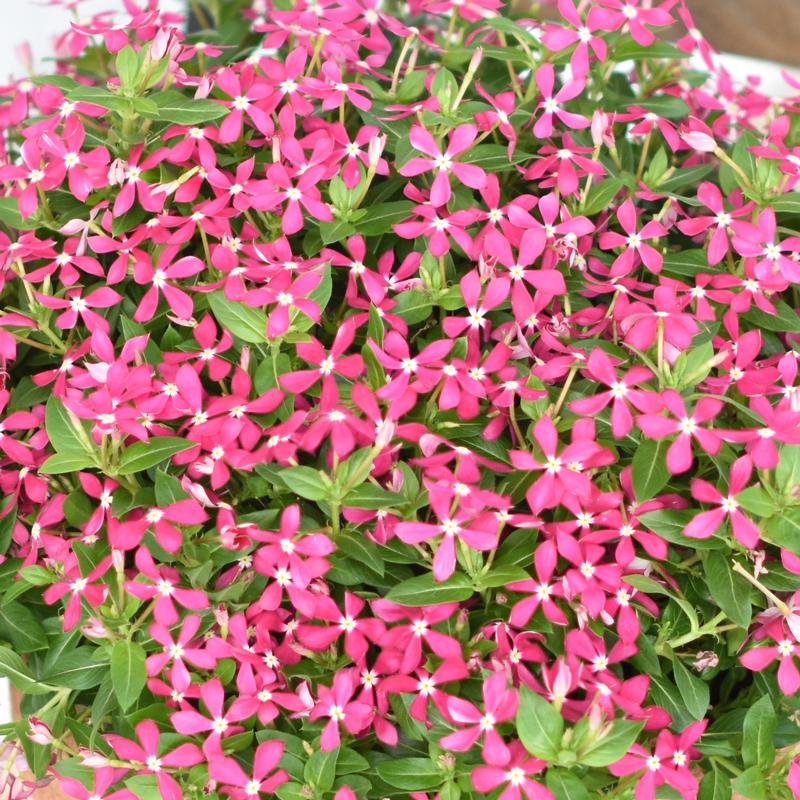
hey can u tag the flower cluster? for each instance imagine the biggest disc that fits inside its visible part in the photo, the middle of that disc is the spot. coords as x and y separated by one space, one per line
399 400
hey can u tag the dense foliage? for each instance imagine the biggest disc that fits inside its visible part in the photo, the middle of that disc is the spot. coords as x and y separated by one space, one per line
399 401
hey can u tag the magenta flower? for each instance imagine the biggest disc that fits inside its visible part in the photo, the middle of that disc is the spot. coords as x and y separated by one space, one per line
77 306
146 753
784 650
337 704
516 776
615 14
552 104
180 650
686 425
217 724
621 393
478 307
240 785
499 705
759 243
719 224
577 32
636 250
562 468
444 163
706 523
667 764
540 591
161 280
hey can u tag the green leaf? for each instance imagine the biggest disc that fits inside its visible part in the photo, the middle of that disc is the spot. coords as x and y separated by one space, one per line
750 784
786 204
785 320
128 672
145 787
413 306
14 668
687 263
320 769
423 590
19 625
729 591
601 195
493 157
501 575
694 690
566 786
9 215
756 501
358 547
612 746
127 66
784 530
715 786
787 473
628 50
650 473
368 495
382 216
669 524
63 428
98 97
66 462
143 455
309 483
77 669
181 110
539 724
759 727
335 231
410 774
246 323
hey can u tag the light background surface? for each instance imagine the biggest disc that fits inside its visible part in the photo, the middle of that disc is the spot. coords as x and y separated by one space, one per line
36 23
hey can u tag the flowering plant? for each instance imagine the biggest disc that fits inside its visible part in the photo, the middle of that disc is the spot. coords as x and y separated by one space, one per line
399 401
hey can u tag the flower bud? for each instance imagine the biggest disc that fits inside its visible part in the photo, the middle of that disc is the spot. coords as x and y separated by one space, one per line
91 759
39 731
95 629
117 171
698 136
244 358
375 149
118 560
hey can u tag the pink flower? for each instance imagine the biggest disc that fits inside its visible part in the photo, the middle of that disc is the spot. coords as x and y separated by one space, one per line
146 753
240 785
337 704
552 104
515 775
668 763
444 163
636 251
686 425
160 280
621 393
706 523
499 705
562 469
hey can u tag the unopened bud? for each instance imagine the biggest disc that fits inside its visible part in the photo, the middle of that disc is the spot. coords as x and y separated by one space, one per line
91 759
385 434
39 731
705 659
117 171
244 358
375 149
95 629
118 560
